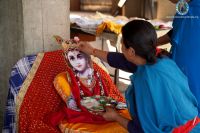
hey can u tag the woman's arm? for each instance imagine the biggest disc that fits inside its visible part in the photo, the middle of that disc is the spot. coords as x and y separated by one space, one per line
119 61
133 126
88 49
122 121
114 59
164 39
112 115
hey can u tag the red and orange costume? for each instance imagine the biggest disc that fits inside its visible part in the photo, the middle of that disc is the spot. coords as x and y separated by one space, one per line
40 104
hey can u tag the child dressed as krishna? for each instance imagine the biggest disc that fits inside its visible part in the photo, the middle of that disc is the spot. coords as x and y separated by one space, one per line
67 94
85 88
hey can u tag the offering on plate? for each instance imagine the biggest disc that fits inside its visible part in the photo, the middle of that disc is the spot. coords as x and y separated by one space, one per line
98 103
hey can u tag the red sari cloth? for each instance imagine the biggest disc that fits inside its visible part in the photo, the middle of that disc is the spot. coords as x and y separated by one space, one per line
41 98
84 116
186 128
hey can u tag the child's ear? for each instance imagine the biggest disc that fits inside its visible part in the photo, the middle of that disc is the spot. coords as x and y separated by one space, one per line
131 51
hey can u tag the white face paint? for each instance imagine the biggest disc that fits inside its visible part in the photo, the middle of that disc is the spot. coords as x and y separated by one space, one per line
77 60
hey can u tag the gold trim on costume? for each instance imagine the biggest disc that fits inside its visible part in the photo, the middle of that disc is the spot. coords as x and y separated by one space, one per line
25 85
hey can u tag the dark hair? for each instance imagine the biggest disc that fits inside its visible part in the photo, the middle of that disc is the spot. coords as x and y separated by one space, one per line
142 37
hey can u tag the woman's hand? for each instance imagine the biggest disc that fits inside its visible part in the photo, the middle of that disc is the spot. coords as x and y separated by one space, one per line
88 49
85 47
110 114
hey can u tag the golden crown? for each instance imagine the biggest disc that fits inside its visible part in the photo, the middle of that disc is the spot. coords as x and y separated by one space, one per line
68 44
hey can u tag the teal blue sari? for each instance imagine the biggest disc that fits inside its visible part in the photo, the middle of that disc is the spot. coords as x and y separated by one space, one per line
160 98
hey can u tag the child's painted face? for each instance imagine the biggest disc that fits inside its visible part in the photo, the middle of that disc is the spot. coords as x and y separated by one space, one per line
77 60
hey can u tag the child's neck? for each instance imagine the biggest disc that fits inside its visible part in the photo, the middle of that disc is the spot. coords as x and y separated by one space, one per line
86 73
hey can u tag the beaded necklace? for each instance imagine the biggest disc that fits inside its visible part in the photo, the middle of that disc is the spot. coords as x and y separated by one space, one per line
102 93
